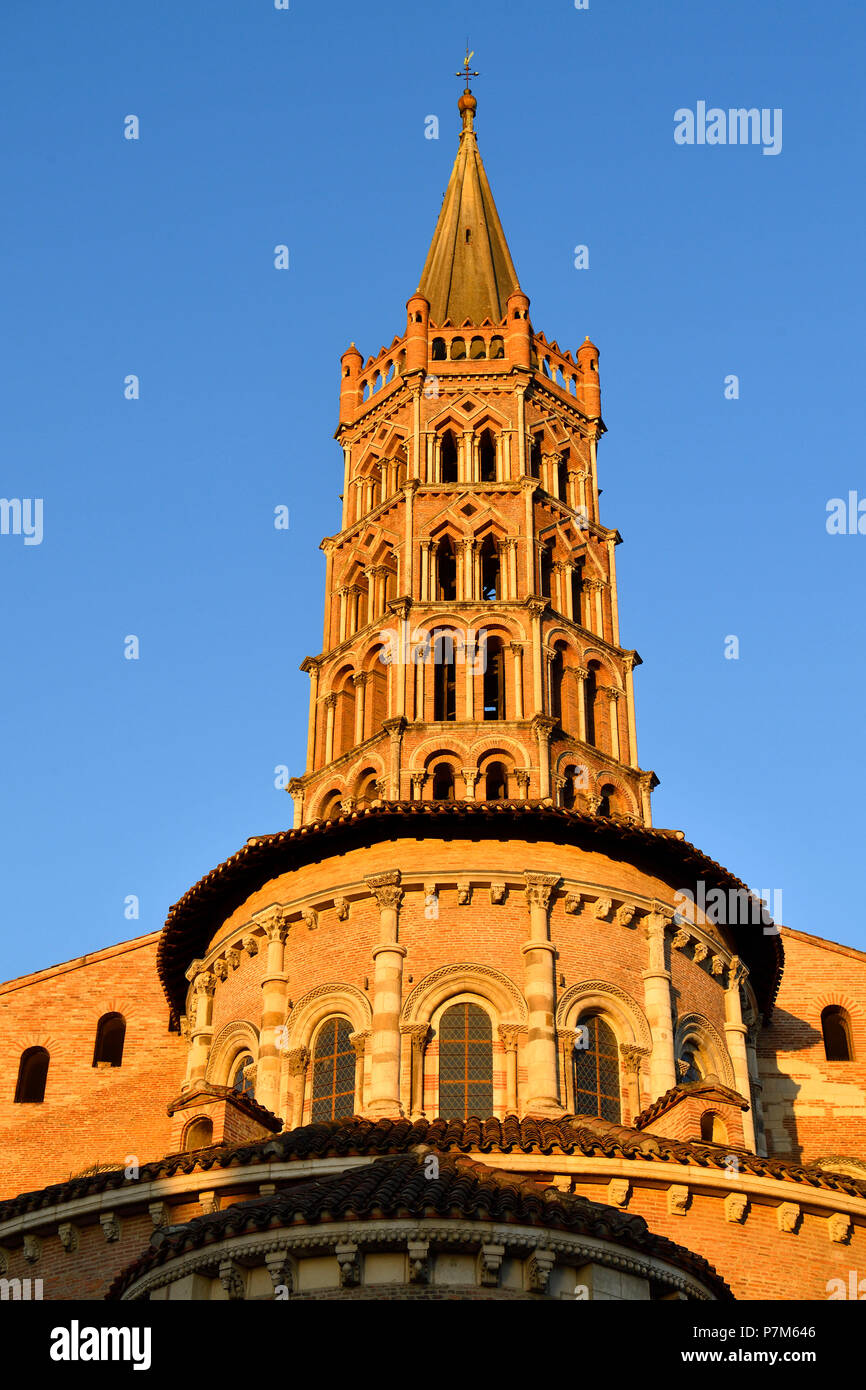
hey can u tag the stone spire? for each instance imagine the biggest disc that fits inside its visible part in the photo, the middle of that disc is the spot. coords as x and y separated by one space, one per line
469 273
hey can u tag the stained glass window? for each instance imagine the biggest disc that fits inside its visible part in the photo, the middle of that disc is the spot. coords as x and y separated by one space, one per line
333 1071
465 1063
596 1071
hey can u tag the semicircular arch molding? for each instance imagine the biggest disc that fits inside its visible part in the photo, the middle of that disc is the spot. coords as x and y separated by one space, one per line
466 977
323 1002
694 1028
232 1039
606 998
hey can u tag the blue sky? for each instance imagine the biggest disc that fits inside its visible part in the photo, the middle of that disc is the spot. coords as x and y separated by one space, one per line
155 257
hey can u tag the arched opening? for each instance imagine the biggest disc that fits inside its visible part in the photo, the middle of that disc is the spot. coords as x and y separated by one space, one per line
487 457
567 794
557 676
836 1028
444 676
596 1070
199 1135
333 1071
344 722
577 593
608 799
438 353
545 570
465 1063
713 1128
448 470
562 476
458 349
590 692
239 1082
490 570
110 1037
496 782
497 347
443 782
367 790
692 1071
477 347
32 1076
331 807
494 677
535 456
446 570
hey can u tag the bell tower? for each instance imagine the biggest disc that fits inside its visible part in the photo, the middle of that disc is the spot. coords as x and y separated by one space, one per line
471 644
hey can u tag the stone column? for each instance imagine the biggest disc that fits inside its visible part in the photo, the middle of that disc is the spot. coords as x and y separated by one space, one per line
274 1004
343 593
384 1096
509 1033
425 570
540 990
517 652
359 1045
657 1001
201 1033
522 775
418 780
330 706
614 607
735 1037
470 777
311 666
582 674
395 728
536 608
542 727
418 1036
567 572
297 1063
296 791
360 680
613 695
628 666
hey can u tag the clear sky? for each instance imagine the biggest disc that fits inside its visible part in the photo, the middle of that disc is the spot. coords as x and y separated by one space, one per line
307 127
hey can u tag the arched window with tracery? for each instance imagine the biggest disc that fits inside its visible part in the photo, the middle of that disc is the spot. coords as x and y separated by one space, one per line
448 468
333 1071
465 1063
596 1070
240 1082
444 676
32 1076
494 677
110 1037
836 1030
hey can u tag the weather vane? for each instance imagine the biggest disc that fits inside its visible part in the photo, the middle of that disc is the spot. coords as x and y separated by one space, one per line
466 72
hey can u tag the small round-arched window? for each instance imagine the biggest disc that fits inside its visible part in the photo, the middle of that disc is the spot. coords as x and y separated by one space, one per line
836 1029
199 1135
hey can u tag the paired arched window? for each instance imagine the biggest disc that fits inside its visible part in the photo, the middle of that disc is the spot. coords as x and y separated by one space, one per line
241 1083
465 1063
32 1076
333 1071
444 676
836 1029
443 782
199 1135
448 471
596 1070
110 1037
494 677
490 570
446 570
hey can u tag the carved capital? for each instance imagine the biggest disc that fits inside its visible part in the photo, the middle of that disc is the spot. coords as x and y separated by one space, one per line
349 1260
205 983
539 888
509 1034
386 890
736 1205
419 1261
297 1061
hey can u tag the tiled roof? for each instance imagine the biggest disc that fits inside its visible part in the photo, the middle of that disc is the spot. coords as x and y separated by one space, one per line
570 1134
207 1093
192 920
709 1087
397 1187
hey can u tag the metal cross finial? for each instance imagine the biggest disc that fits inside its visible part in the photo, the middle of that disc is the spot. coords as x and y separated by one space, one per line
466 71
